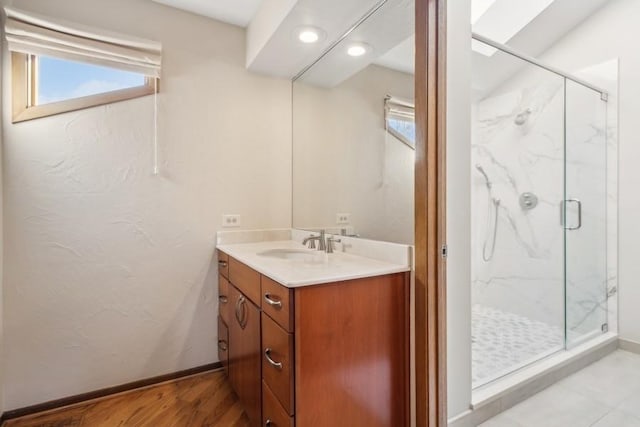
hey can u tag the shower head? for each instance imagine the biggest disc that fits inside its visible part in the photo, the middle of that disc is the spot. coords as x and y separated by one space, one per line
484 174
522 117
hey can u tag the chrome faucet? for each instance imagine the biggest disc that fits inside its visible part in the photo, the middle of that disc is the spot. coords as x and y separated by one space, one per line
320 239
330 242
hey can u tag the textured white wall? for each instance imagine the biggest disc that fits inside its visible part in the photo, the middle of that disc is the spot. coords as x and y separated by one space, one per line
345 161
109 276
458 205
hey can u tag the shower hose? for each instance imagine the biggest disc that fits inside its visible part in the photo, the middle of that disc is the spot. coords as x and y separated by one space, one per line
495 204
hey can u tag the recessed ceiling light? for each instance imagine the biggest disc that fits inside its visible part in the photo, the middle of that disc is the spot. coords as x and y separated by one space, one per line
309 35
357 49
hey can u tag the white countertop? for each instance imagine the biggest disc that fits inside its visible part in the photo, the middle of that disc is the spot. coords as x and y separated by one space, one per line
322 268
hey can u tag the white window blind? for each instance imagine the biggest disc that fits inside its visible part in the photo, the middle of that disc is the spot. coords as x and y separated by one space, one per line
35 34
399 109
400 119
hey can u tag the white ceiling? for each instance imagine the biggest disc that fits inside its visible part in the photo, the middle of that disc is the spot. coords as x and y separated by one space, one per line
237 12
389 35
401 57
395 49
540 34
281 54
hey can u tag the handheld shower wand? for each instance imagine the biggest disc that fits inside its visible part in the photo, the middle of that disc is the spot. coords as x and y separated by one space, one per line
493 206
486 177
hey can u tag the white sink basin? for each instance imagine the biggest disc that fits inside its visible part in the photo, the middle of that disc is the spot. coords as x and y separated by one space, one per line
294 255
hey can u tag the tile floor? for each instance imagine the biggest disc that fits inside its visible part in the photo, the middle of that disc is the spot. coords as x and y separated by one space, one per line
605 394
503 342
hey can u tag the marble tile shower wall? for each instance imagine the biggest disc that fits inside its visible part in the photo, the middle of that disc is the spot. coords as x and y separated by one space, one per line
526 274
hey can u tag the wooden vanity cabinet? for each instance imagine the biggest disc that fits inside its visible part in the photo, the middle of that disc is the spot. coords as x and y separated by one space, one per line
325 355
245 361
223 264
223 344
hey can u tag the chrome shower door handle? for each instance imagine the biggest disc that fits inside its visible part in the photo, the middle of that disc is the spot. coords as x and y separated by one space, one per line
563 213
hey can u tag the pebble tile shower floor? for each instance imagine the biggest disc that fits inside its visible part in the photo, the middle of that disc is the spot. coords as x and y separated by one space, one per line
503 342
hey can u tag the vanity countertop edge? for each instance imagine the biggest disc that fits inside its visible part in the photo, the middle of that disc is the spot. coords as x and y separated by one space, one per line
336 267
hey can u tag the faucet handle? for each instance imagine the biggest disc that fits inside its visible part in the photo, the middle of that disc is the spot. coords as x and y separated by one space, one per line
330 242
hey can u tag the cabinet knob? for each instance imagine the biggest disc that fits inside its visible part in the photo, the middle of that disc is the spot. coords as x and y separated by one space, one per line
267 355
269 299
222 345
223 299
268 423
222 263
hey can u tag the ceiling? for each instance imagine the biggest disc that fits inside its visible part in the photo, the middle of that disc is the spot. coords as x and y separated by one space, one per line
237 12
401 57
533 39
388 33
278 54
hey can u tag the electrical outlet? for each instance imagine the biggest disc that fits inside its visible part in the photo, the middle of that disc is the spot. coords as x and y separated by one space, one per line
343 218
231 220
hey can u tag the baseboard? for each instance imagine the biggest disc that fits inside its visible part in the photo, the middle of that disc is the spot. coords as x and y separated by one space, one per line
84 397
630 346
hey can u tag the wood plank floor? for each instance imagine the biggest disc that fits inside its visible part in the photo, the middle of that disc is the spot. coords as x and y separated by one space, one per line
200 400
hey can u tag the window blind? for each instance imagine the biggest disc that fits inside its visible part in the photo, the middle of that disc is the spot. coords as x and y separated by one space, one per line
399 109
399 119
35 34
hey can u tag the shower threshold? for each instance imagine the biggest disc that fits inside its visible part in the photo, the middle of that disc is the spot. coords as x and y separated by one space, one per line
527 381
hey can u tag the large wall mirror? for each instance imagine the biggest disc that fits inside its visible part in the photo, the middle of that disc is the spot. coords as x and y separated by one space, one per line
354 132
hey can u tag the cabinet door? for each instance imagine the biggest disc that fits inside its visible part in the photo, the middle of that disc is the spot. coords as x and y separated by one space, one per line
245 361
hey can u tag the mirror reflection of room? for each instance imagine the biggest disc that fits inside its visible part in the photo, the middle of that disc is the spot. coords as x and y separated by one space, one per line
354 132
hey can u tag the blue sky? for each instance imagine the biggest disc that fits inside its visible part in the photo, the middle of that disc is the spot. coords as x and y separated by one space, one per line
61 79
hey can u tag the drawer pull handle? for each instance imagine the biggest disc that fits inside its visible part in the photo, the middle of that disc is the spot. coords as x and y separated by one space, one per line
222 345
241 312
273 302
267 355
223 299
222 264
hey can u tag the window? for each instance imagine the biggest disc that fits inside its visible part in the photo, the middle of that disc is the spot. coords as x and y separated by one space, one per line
59 66
400 121
60 80
44 86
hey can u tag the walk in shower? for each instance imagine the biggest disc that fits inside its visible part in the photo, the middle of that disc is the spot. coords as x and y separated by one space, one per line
539 223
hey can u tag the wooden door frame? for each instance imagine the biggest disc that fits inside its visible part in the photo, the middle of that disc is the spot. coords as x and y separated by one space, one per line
430 214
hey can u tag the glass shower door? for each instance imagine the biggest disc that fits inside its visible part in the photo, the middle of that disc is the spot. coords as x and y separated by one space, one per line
585 213
518 166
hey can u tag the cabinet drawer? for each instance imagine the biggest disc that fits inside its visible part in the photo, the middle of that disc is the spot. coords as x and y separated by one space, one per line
223 299
277 362
273 414
223 344
245 279
223 264
276 302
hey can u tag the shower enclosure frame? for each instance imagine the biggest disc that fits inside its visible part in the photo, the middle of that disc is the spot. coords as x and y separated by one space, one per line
604 96
506 49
